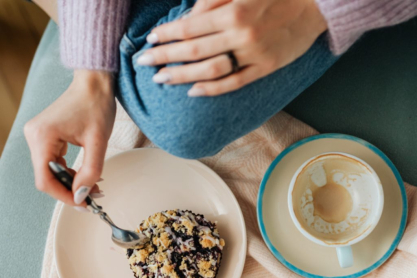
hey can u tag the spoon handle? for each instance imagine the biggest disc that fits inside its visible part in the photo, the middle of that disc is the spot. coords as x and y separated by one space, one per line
123 238
65 177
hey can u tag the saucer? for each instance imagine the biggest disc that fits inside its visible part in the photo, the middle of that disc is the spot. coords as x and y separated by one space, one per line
307 258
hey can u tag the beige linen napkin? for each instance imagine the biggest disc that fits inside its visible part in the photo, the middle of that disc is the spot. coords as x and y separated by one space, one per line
242 165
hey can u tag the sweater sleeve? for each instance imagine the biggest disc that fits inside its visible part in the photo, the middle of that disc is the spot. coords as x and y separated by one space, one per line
90 32
347 20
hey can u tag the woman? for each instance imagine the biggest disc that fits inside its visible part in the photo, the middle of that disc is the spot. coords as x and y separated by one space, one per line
193 82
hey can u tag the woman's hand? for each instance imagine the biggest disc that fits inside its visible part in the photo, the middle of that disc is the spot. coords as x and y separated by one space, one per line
83 116
263 35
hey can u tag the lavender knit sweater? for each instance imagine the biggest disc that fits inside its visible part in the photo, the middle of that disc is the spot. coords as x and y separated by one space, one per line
90 32
91 29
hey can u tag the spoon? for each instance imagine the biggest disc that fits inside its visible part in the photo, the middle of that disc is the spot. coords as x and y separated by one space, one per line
123 238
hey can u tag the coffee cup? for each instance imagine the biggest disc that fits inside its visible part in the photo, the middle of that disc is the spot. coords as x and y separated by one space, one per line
336 200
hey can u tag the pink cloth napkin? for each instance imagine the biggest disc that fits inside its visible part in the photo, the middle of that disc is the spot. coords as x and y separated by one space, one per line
242 165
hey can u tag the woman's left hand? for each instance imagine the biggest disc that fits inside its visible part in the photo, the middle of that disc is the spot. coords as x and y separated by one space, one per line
263 35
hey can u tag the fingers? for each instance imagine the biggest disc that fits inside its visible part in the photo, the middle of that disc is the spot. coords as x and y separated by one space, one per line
63 162
205 5
46 182
226 84
44 148
90 172
64 149
96 190
191 27
206 70
192 50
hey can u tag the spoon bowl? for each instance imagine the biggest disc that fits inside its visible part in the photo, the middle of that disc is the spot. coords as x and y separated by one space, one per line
123 238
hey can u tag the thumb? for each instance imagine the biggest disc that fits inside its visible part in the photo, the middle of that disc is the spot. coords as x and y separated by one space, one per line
90 172
205 5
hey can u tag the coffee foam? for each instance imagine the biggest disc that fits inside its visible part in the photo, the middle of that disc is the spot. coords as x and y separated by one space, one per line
352 182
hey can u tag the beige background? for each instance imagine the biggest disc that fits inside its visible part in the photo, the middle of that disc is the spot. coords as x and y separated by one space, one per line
21 27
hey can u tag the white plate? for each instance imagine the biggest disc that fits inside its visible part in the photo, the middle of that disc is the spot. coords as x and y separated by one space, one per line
137 184
305 257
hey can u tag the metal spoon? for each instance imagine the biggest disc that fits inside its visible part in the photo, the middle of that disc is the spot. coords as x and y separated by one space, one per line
123 238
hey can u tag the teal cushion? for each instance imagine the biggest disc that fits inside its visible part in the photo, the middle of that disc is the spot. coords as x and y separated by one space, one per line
25 213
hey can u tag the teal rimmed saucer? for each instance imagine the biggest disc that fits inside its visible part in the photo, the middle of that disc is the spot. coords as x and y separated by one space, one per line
306 258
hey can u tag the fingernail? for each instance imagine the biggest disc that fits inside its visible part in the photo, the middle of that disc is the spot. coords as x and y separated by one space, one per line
196 92
161 77
97 195
146 60
100 179
152 38
81 209
81 194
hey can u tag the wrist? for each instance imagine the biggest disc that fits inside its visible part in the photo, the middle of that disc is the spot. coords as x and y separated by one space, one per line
94 81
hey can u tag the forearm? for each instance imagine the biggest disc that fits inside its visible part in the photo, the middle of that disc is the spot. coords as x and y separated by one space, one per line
348 20
50 7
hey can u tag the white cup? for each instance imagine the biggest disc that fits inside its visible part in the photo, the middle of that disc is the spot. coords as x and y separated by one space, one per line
359 200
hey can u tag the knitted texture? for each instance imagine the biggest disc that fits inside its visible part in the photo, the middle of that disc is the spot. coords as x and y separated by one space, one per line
91 29
90 32
347 20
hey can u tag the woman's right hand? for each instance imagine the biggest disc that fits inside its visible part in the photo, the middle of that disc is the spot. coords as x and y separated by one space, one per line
84 116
